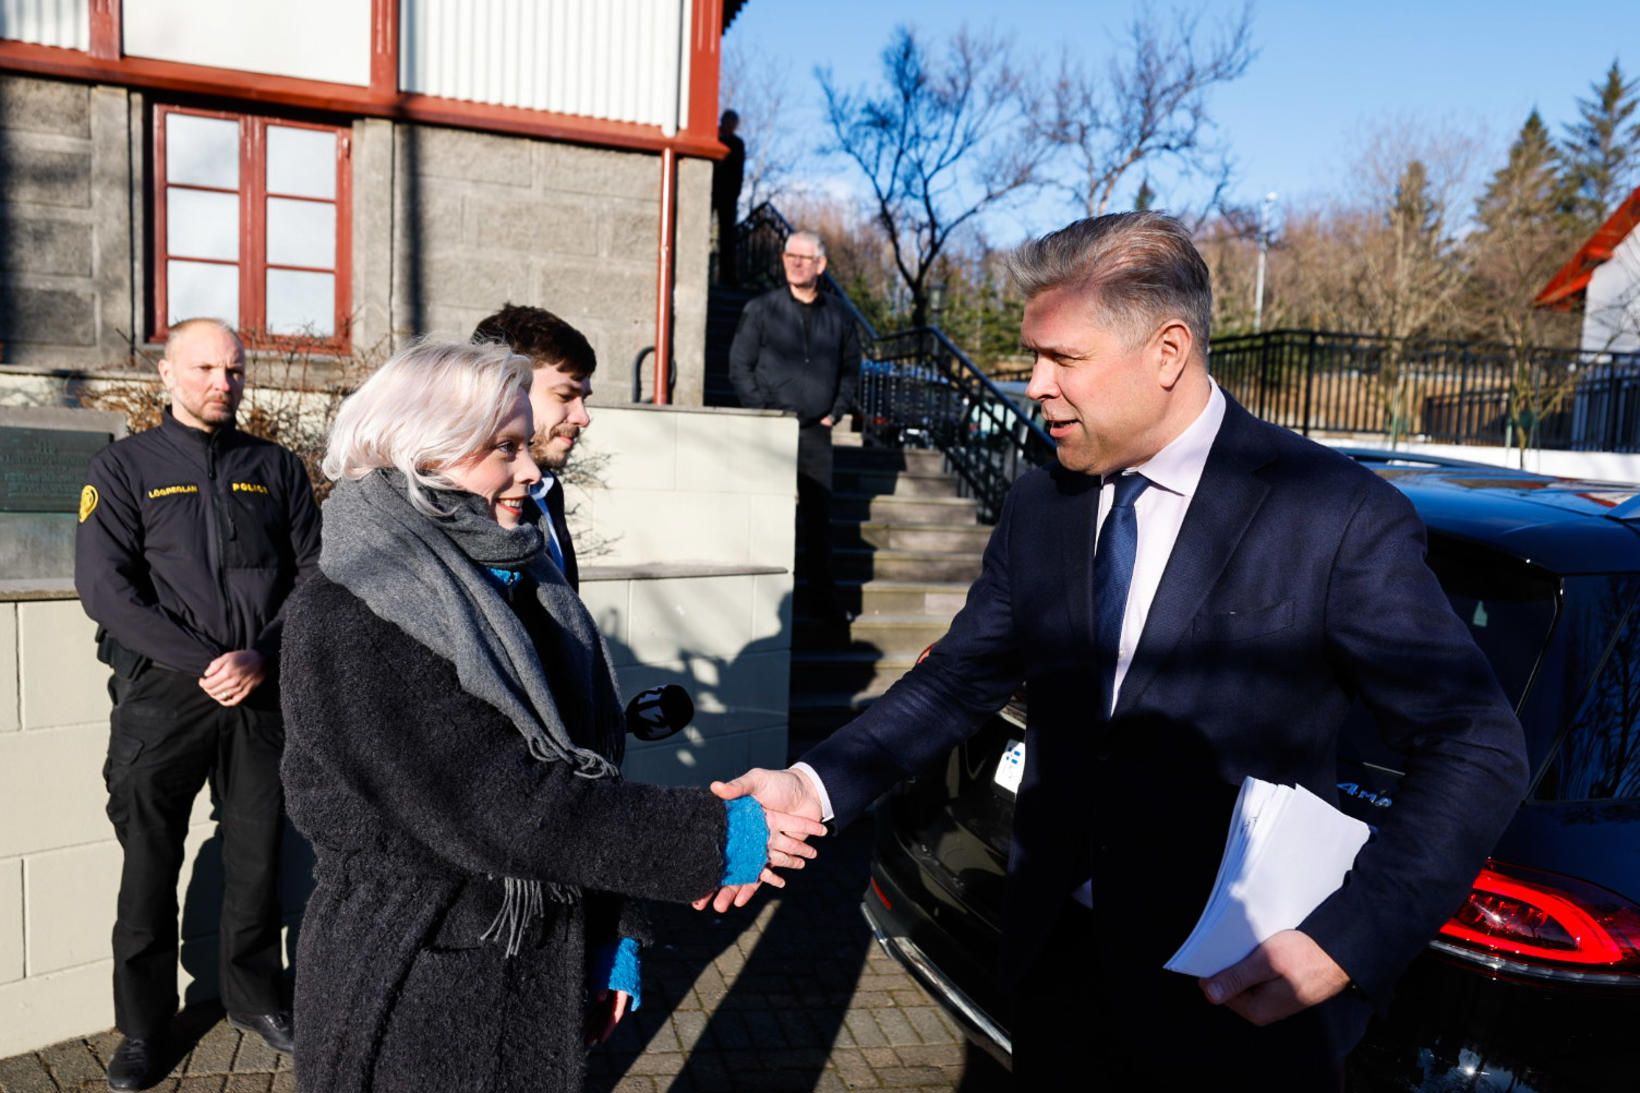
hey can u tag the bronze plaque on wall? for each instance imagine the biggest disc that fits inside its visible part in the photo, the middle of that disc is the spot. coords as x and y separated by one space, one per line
43 470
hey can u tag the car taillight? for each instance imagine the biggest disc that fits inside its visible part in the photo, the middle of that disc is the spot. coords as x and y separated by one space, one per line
1546 926
877 890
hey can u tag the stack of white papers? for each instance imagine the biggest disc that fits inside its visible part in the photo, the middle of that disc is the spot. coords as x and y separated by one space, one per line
1288 850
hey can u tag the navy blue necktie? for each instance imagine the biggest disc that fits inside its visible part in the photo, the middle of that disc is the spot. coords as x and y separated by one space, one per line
1112 574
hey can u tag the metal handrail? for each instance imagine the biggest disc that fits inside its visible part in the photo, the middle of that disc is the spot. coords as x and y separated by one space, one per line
921 391
917 388
637 376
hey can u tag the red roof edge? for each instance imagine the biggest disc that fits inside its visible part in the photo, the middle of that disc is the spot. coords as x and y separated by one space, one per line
1571 279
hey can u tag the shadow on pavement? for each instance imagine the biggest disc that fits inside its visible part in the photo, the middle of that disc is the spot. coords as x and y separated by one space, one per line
764 997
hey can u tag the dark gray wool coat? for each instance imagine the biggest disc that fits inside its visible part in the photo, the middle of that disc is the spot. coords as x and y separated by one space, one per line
419 798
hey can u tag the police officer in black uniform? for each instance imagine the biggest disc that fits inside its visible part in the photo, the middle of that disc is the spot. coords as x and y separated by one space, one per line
191 537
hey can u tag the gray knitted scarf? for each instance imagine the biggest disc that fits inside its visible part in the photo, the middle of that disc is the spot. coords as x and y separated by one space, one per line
426 575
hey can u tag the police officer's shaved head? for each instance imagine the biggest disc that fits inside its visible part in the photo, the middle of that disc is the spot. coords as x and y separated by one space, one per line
204 371
186 326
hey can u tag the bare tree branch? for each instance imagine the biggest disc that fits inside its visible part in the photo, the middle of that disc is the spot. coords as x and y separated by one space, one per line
759 90
939 142
1149 106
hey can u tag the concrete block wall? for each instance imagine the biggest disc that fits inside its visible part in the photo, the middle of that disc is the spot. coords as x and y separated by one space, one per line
447 225
697 508
67 295
480 219
59 862
694 511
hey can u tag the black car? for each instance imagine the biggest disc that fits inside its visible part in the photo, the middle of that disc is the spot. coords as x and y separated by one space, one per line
1534 984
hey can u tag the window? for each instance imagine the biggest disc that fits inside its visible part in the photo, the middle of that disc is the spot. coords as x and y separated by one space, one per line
1599 753
1510 608
251 225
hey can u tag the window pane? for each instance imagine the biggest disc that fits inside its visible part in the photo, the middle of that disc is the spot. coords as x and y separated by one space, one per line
301 303
301 162
1600 756
200 224
301 233
195 290
202 151
1509 608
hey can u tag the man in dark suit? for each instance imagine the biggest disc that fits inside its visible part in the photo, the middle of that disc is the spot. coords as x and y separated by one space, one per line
1192 596
559 388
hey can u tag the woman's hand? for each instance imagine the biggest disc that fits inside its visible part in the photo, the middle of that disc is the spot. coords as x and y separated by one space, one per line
608 1007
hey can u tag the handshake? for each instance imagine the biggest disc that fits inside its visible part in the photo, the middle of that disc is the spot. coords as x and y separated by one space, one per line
792 806
792 810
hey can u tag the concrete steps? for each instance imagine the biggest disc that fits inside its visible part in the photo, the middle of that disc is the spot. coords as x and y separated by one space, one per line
890 482
895 509
919 537
906 548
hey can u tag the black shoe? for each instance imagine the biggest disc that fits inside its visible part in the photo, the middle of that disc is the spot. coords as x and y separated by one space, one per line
276 1029
136 1064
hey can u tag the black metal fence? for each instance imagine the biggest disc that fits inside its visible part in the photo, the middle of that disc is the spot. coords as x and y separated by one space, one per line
918 390
1437 391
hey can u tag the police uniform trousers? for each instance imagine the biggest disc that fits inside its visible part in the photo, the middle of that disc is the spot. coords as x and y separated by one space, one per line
167 739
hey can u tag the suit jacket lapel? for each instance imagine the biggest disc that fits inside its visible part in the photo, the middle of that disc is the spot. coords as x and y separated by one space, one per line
1226 500
1076 521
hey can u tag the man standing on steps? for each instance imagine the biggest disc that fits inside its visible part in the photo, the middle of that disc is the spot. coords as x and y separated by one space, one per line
191 537
728 174
560 385
798 349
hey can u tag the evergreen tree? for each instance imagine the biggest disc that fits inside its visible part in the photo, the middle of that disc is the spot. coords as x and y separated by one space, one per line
1145 200
1528 185
1414 216
1524 231
1602 148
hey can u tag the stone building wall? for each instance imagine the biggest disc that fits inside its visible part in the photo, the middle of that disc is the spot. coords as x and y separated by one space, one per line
68 294
447 225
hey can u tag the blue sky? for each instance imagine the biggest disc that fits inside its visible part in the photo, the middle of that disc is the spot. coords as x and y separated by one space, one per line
1326 74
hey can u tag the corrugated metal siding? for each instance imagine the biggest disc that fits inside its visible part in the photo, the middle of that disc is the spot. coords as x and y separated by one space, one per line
64 23
620 60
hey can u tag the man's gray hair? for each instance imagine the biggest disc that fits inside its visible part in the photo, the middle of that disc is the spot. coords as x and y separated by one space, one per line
812 237
1137 269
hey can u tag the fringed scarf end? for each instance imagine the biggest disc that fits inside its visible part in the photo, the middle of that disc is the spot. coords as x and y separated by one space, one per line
524 901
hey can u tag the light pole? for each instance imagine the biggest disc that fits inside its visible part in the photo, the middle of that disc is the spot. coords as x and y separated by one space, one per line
1263 248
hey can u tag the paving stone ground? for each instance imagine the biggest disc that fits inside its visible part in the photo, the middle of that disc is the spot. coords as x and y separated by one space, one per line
790 993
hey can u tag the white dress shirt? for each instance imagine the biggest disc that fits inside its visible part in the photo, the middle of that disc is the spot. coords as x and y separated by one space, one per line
1174 474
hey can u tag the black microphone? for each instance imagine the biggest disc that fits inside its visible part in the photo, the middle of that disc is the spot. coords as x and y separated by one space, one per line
659 712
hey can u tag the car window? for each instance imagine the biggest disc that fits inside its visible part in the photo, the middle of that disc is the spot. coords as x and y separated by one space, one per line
1598 755
1509 607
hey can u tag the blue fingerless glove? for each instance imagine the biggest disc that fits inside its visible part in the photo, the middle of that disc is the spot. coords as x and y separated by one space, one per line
746 850
617 969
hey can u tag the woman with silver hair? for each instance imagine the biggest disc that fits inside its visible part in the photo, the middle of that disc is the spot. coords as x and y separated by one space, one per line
453 734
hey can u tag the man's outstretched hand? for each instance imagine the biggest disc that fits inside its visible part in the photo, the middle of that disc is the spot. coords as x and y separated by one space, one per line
792 810
1287 973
